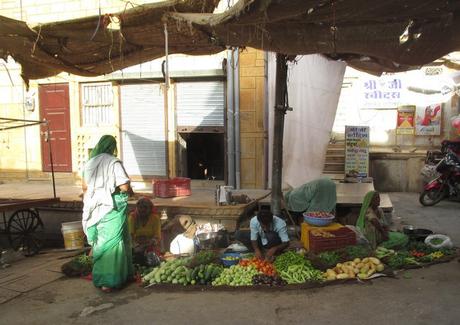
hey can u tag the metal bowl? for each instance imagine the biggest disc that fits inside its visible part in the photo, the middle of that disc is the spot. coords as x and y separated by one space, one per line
207 236
207 240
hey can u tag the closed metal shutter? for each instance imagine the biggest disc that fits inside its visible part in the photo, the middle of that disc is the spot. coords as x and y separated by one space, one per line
143 130
200 103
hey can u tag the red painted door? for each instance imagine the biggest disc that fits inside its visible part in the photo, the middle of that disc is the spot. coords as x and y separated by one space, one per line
54 107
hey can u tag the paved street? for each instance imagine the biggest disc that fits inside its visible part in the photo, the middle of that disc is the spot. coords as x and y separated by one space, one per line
424 296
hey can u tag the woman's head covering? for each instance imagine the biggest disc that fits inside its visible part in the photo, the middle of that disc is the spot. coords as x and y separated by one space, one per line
144 208
366 204
107 144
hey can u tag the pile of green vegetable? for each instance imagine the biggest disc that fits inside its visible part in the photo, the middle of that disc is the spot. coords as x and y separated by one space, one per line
173 271
283 261
80 265
301 273
203 257
415 253
329 259
236 275
205 274
294 268
357 251
400 259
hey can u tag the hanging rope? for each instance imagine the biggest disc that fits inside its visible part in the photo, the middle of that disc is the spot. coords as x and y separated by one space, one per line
333 29
166 57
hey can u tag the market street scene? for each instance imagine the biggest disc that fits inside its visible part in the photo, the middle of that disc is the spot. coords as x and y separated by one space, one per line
237 161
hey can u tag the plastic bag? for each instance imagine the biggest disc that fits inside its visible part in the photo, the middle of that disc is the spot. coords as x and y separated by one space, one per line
446 241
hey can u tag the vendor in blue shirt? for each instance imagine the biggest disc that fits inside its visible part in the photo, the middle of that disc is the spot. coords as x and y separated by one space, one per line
268 234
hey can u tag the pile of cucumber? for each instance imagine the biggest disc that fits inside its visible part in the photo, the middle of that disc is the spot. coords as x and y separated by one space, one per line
176 272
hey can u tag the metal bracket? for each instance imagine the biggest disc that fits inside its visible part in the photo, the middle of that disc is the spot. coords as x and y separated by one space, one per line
283 108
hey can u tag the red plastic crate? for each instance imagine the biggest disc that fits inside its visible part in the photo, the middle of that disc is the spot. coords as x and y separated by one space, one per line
343 237
178 186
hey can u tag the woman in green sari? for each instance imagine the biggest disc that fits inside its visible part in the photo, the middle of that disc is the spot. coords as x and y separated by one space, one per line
371 224
106 188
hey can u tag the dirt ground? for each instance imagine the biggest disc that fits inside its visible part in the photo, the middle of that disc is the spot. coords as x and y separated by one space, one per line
424 296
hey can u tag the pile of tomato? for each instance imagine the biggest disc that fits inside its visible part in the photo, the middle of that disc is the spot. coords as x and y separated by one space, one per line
262 266
417 253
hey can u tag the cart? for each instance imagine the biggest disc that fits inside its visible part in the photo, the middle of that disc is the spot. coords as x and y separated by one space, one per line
24 225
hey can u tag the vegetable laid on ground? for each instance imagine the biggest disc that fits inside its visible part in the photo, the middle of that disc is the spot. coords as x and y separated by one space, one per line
262 266
358 268
236 275
301 273
329 258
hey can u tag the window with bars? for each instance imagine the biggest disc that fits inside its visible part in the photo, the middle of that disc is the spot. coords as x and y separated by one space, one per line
97 104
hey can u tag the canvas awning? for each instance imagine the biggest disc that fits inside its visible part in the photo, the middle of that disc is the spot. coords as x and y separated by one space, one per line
390 35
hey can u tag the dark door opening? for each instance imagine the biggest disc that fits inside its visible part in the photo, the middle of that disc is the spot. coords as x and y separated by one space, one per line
202 155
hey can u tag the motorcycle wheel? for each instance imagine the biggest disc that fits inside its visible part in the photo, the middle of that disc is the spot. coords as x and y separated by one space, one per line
431 197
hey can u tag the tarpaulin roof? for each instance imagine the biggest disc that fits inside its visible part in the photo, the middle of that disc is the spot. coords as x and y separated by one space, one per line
375 36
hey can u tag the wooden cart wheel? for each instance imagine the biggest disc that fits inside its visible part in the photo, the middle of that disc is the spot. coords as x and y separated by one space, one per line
22 230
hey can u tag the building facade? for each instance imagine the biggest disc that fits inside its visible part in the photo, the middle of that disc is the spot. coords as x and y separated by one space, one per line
179 128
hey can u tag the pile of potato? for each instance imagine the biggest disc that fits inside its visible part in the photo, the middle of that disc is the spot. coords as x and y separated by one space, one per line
357 268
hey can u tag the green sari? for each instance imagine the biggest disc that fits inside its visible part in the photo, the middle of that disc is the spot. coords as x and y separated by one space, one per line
364 224
109 238
112 255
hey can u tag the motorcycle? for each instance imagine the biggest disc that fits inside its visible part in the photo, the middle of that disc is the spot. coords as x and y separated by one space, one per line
447 184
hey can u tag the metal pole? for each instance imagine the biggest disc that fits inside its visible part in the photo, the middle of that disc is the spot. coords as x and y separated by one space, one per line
230 121
48 135
280 112
236 98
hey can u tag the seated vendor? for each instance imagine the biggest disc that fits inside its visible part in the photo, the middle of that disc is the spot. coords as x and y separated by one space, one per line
145 228
370 220
182 230
316 196
267 233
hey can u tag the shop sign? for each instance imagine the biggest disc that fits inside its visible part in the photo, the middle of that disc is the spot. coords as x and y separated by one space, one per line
357 150
406 120
383 92
428 120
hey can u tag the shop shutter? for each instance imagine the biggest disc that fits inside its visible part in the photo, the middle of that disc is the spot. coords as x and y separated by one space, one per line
143 130
200 103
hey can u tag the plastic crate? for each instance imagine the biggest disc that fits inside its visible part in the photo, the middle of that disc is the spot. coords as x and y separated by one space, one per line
343 237
178 186
306 228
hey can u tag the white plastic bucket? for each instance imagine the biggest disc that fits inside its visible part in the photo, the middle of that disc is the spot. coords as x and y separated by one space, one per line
74 237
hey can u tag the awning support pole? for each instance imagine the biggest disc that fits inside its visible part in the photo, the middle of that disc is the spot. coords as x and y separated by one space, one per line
280 111
48 139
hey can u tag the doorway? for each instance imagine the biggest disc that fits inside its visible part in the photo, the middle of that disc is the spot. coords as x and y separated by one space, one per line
54 107
202 155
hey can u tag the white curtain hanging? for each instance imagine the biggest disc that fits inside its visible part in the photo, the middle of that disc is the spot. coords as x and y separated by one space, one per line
314 85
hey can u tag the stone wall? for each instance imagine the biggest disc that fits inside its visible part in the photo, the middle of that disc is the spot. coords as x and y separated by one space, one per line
395 172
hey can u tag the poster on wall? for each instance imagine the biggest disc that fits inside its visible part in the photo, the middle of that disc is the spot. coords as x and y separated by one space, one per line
357 150
406 120
428 120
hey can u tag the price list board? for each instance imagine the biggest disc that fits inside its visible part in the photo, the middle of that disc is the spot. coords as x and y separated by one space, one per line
357 150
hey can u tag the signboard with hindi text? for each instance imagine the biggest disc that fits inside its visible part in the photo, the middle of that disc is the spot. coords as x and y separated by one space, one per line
383 92
357 150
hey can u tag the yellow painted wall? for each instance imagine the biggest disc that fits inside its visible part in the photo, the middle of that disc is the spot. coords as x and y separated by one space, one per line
20 154
252 113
